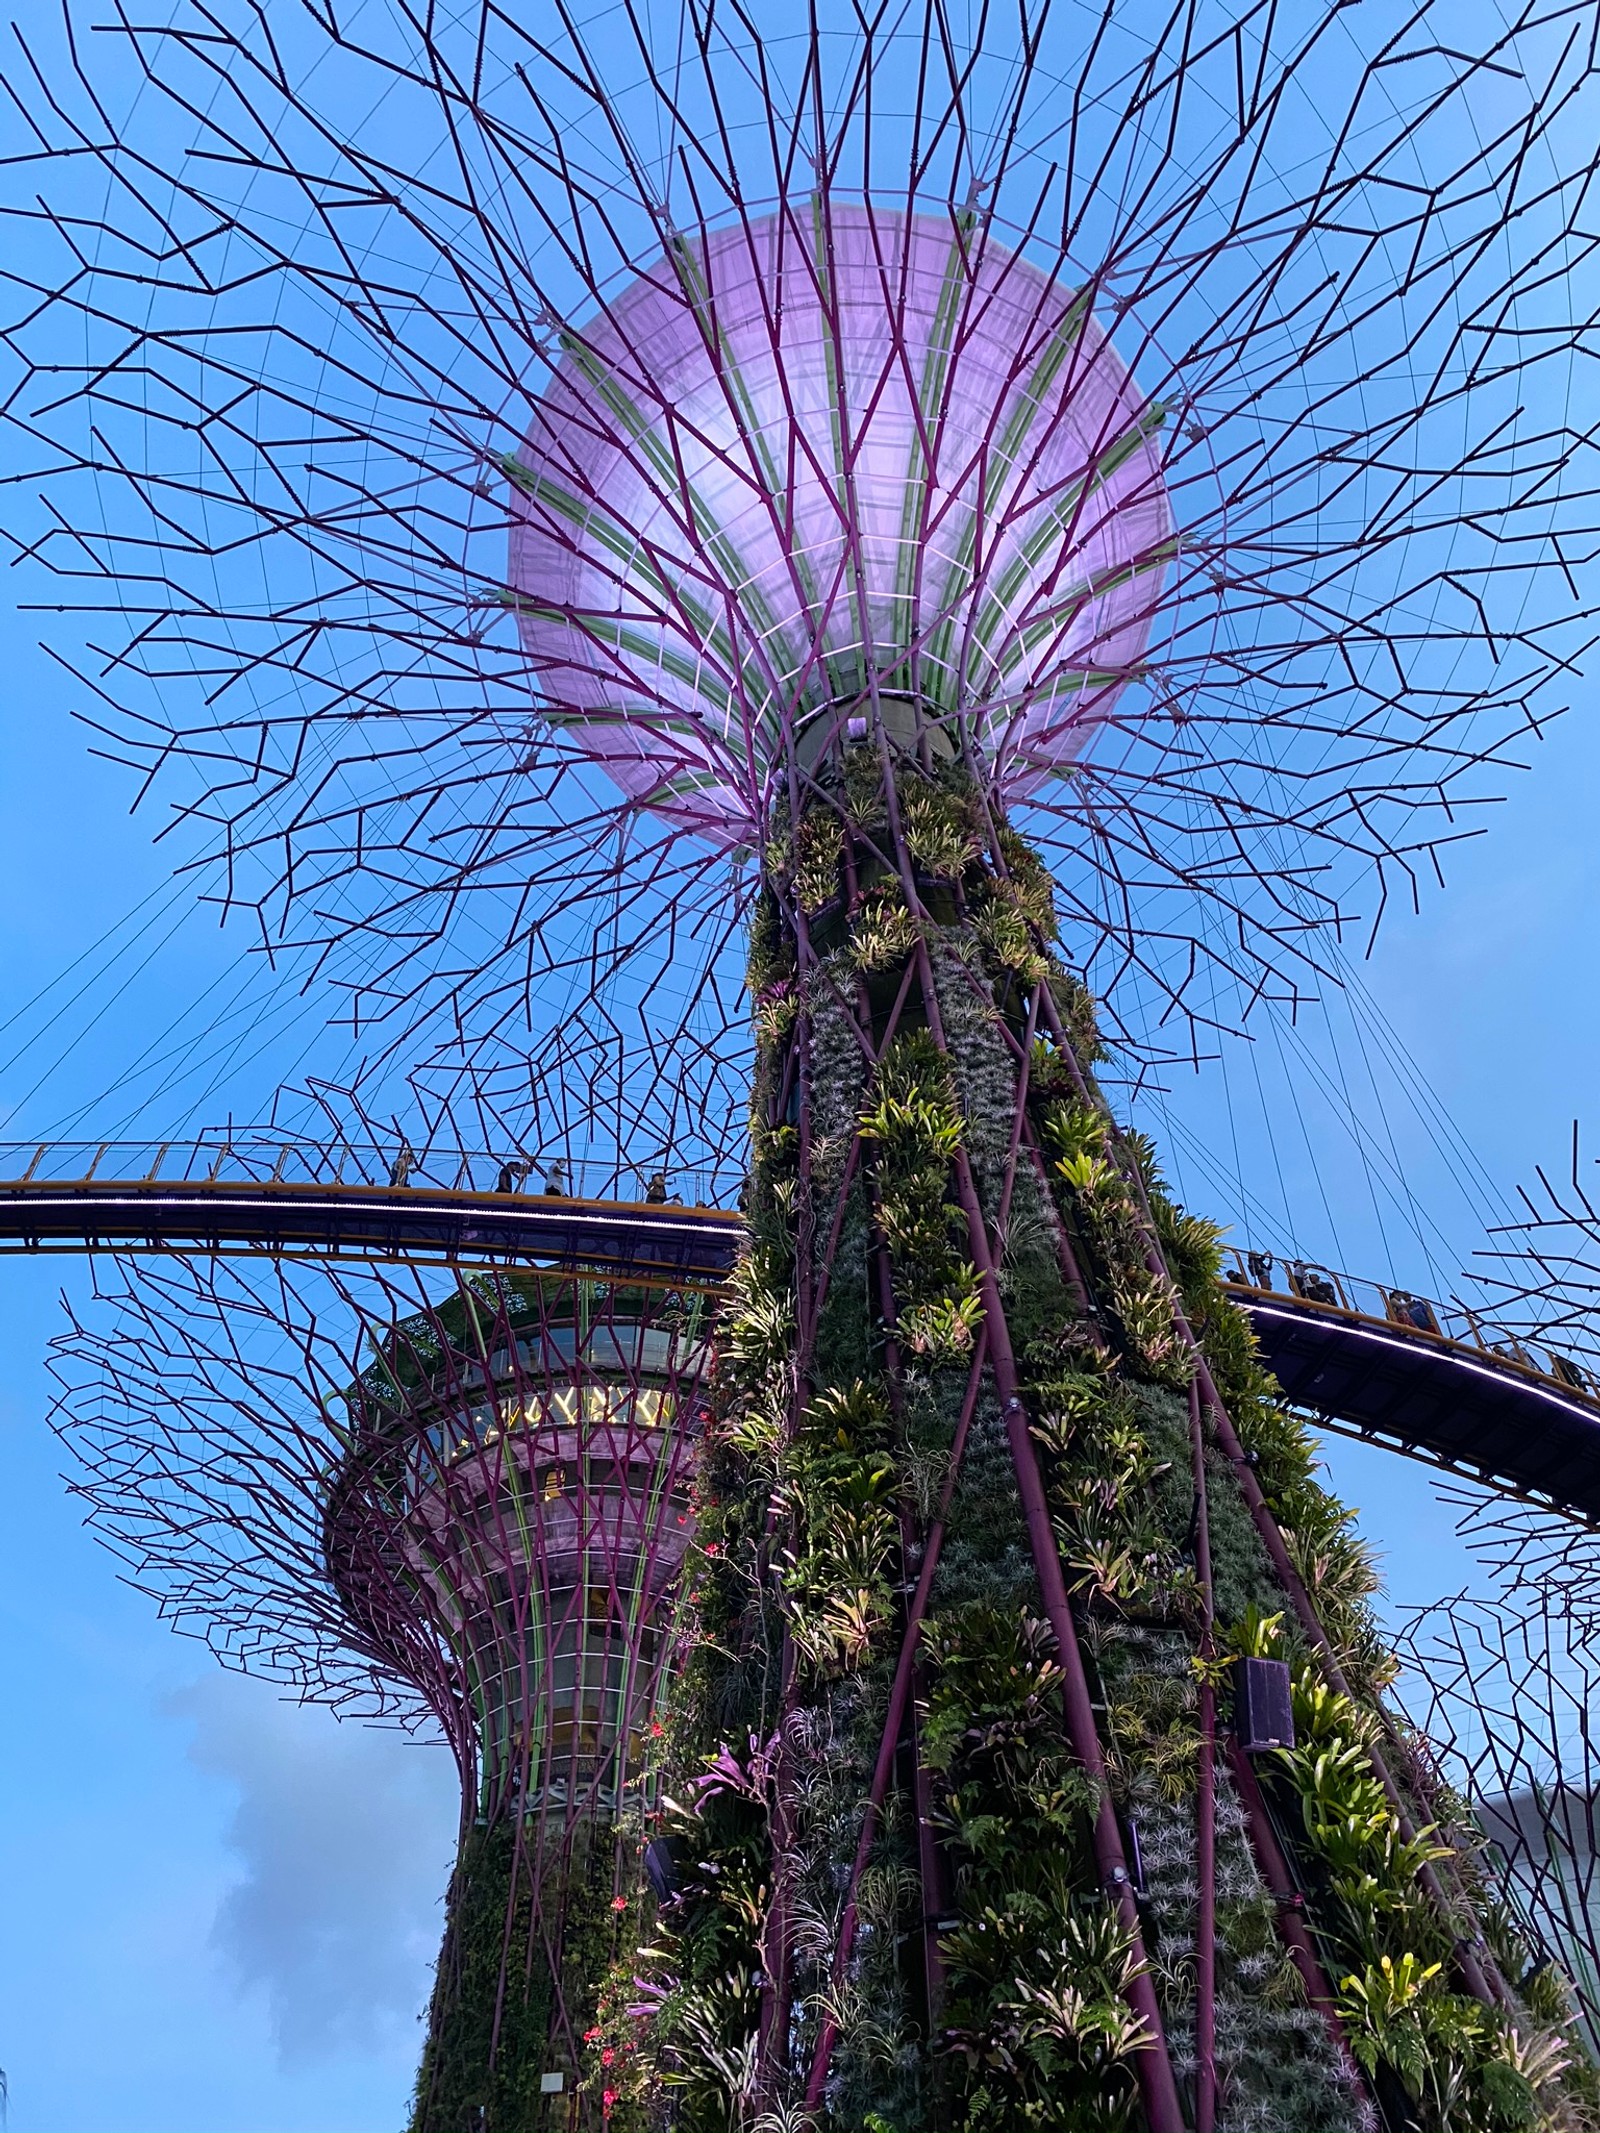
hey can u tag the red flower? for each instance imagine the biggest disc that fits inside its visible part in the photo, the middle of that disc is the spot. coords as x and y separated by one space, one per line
607 2056
619 1903
590 2035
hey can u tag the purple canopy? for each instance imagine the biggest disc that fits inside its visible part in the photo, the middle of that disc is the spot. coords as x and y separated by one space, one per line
804 459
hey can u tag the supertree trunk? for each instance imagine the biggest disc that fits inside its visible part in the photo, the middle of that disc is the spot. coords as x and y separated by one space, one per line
513 1912
514 1492
995 1495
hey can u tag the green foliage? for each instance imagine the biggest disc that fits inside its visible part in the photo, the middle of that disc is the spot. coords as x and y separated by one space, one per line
1006 933
1102 1472
1028 884
913 1115
490 2038
1055 2034
943 1328
1547 1996
913 1122
837 1486
1463 2070
917 1219
1049 1073
844 1347
1143 1302
1035 1968
1075 1006
756 1331
815 856
939 831
701 1996
771 954
882 929
1143 1298
861 787
1075 1131
776 1011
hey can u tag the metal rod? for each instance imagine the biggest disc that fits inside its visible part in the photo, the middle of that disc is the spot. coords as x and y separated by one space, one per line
1205 2012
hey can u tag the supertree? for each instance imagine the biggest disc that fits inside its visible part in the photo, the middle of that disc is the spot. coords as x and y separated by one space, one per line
468 1508
1072 482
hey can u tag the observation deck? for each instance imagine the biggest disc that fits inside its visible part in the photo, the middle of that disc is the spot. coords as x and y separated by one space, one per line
1435 1381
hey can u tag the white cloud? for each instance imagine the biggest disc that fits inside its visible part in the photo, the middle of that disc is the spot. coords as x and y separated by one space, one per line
346 1834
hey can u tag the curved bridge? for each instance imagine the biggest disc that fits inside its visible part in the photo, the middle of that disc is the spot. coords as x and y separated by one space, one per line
297 1198
1434 1381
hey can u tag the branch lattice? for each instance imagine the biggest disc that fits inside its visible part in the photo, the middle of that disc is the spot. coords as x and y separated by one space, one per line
270 388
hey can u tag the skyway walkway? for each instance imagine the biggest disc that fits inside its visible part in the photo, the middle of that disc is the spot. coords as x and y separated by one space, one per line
1432 1380
296 1198
1435 1381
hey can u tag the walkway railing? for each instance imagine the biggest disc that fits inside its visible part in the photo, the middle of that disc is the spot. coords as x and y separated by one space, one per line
111 1192
1411 1310
260 1157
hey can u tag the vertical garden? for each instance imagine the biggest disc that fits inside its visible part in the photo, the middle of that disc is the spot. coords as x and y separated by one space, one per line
995 1498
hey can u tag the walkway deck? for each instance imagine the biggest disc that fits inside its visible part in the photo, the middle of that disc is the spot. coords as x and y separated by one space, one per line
294 1199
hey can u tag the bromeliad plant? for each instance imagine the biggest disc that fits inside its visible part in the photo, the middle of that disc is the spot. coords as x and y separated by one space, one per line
913 1128
1036 1970
1460 2067
835 1495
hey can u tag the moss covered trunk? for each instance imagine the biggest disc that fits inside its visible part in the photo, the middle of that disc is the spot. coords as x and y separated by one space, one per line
526 1944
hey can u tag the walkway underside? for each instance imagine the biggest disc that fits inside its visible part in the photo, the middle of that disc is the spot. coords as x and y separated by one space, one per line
1455 1402
1457 1405
687 1247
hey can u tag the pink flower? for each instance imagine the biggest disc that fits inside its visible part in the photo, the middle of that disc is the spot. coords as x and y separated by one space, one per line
590 2035
619 1903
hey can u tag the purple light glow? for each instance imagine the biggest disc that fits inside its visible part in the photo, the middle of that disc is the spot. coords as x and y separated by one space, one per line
801 460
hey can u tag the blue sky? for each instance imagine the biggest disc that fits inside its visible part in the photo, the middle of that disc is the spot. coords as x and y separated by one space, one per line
221 1909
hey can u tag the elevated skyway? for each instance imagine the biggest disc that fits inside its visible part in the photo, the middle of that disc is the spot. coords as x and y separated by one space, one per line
293 1198
1435 1381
